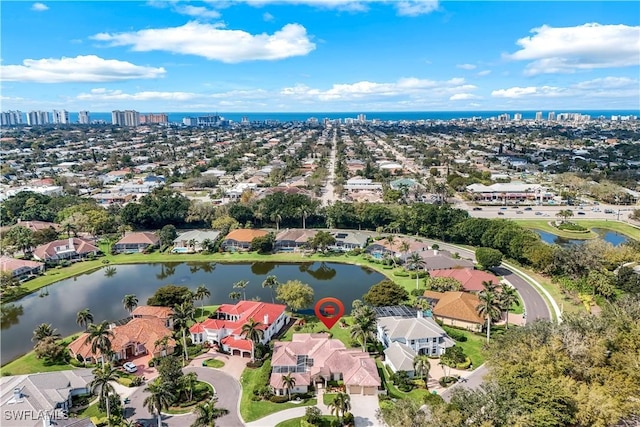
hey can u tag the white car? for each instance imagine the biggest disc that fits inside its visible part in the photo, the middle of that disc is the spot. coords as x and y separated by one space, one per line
130 367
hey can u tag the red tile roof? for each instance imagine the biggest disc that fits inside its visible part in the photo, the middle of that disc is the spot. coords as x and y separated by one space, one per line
75 244
245 234
141 237
456 305
240 344
153 311
470 279
11 264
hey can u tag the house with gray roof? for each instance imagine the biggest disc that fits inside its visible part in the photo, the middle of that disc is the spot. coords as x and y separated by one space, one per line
349 240
28 399
191 241
399 357
422 334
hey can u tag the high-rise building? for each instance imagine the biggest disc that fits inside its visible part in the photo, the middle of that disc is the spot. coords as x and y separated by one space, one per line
517 117
38 118
362 118
125 118
83 118
61 117
539 116
152 118
552 116
11 118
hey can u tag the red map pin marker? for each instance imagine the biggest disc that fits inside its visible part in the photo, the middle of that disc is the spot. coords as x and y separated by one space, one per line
329 310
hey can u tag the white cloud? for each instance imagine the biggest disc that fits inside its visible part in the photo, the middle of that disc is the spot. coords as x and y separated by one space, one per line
102 94
39 7
197 11
89 68
606 87
416 7
484 72
267 17
584 47
213 41
365 90
463 97
466 66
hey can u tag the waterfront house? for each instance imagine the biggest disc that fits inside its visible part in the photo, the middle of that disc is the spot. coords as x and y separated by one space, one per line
240 239
20 267
422 334
191 241
136 242
65 249
293 239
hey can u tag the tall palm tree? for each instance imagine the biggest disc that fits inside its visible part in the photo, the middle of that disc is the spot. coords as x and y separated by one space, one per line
489 308
161 343
288 382
341 404
422 366
276 217
84 318
207 245
303 211
363 330
159 398
182 315
242 284
130 302
101 384
207 413
201 294
508 296
99 336
43 331
271 282
253 332
490 286
235 296
404 248
416 263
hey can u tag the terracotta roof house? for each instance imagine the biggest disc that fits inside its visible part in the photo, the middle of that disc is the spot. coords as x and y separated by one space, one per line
456 309
225 329
240 239
422 334
470 279
71 248
191 241
136 242
38 225
399 357
291 239
154 312
20 267
315 358
135 338
26 399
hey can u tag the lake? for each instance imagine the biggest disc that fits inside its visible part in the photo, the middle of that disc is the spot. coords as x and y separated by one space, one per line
102 292
610 236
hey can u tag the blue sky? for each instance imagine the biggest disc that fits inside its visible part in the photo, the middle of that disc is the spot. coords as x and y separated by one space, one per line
320 55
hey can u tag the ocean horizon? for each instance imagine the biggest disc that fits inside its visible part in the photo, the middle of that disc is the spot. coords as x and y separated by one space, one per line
176 117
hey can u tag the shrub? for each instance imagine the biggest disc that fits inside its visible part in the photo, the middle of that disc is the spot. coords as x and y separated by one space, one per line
570 226
76 363
136 382
279 399
456 335
124 381
348 419
255 364
401 273
447 381
417 292
313 415
465 364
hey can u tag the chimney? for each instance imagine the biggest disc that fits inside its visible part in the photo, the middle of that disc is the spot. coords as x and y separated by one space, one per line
17 394
70 242
266 319
420 314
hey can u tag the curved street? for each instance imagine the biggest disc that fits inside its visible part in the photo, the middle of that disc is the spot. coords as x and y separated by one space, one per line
228 391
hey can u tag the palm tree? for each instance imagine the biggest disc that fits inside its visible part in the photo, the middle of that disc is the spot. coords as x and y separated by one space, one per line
162 343
422 366
404 248
303 211
207 413
207 245
43 331
99 336
130 302
416 263
489 308
490 286
253 332
192 244
101 384
276 217
200 294
84 317
363 329
340 405
182 315
508 296
242 284
288 382
235 296
187 382
271 282
159 398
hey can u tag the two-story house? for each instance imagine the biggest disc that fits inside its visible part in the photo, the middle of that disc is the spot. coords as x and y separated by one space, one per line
225 329
422 334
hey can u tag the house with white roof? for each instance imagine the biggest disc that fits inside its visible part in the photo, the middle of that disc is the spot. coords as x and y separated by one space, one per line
422 334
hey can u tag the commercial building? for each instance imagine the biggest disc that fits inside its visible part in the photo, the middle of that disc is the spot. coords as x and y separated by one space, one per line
83 118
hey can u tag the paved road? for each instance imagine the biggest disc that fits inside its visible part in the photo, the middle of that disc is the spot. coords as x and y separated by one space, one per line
227 388
328 195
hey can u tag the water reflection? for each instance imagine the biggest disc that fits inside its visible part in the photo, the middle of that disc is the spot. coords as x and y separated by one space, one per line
609 236
262 268
10 315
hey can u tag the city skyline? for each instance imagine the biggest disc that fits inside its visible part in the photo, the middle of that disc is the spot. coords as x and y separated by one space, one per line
333 56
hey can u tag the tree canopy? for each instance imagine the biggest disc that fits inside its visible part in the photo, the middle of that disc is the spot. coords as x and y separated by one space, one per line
384 293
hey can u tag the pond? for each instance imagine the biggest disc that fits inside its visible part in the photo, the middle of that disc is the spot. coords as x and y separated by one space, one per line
102 291
610 236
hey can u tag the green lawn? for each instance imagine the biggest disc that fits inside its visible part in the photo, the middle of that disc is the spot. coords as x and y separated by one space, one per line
214 363
473 346
30 364
620 227
314 325
204 312
253 379
517 308
325 421
92 411
327 398
417 394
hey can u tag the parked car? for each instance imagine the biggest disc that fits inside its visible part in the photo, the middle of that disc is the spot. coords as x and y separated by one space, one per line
538 213
581 213
519 212
528 209
503 208
477 209
500 213
130 367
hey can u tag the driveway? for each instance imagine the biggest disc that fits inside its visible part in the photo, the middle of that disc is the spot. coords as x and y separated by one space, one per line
364 410
227 389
